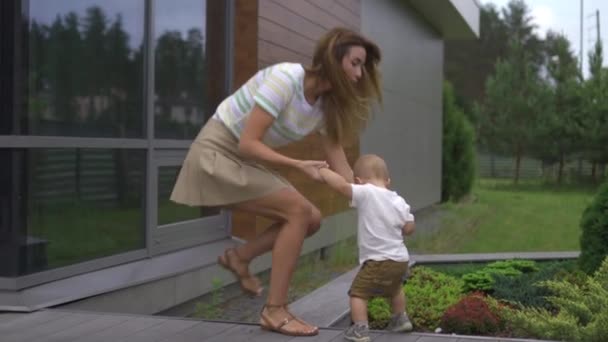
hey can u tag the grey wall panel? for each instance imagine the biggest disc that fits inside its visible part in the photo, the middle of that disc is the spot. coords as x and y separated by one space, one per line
407 130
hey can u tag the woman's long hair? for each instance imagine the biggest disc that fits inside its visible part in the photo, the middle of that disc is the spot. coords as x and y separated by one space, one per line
347 105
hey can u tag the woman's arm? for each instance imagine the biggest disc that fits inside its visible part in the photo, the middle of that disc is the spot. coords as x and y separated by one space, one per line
251 145
336 159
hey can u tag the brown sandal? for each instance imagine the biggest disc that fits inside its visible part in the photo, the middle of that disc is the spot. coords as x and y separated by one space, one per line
266 323
248 283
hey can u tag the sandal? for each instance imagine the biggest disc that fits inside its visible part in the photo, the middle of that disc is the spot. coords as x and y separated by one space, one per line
266 323
248 283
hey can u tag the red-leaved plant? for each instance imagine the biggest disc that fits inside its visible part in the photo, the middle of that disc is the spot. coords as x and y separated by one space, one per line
471 316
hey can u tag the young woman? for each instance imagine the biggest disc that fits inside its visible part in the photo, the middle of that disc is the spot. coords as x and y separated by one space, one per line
278 105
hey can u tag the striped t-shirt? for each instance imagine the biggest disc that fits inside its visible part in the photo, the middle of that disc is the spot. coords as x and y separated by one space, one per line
278 89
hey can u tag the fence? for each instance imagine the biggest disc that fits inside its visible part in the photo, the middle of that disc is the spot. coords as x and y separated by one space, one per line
497 166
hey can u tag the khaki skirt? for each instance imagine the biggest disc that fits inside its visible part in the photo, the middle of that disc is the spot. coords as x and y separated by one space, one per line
214 173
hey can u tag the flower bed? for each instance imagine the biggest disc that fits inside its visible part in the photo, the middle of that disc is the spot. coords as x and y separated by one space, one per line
514 298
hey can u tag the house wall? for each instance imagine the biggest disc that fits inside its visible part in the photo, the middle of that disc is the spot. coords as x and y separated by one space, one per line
407 131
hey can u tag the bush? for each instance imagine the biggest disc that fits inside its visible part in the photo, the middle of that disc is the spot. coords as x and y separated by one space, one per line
481 280
458 159
379 313
429 294
594 235
471 316
523 266
523 289
484 279
582 311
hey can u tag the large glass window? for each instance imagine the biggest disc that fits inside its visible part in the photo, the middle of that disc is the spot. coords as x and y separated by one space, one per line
189 82
64 206
84 69
82 83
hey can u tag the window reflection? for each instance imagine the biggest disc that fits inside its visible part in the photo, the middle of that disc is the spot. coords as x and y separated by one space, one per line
186 80
170 212
84 75
65 206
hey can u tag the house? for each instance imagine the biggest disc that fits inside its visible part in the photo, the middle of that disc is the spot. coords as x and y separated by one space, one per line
100 99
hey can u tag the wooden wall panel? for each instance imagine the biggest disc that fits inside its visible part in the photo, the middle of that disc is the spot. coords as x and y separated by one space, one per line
245 65
287 31
245 41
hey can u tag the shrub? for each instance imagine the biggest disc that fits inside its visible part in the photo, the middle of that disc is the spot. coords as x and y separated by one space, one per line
523 289
481 280
523 266
594 235
379 313
429 294
484 279
471 316
582 311
458 159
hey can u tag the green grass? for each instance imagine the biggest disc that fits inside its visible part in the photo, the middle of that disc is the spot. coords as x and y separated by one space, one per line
80 232
502 217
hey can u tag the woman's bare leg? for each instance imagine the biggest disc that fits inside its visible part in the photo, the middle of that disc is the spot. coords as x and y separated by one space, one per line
264 242
297 218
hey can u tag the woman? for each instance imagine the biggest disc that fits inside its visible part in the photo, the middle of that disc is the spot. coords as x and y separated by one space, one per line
281 104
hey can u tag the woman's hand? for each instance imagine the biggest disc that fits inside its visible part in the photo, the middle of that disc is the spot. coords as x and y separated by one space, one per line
311 168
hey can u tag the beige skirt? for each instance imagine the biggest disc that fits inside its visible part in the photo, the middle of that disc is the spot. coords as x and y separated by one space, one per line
214 173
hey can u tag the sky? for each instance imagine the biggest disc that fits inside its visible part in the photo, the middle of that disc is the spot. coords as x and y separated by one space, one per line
563 16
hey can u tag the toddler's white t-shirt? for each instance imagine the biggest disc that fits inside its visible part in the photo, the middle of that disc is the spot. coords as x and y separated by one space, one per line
382 213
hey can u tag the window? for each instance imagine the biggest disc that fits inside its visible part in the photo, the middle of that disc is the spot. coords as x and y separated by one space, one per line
84 69
99 100
189 66
68 205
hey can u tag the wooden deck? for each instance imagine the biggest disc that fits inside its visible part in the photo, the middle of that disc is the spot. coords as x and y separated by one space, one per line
77 326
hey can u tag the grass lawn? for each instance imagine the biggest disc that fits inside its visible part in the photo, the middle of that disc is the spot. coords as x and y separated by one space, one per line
78 233
502 217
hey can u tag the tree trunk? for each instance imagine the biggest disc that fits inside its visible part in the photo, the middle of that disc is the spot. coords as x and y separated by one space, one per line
560 171
517 165
78 174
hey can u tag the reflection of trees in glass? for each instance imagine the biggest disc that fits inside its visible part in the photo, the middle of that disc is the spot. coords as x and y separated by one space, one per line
84 78
180 85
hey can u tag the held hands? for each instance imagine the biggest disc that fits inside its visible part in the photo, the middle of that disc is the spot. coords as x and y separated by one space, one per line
311 168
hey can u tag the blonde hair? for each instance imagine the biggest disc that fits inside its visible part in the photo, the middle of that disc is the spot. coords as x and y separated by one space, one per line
371 166
347 105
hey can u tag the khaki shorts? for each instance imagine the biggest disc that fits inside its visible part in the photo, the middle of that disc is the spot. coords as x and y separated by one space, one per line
378 279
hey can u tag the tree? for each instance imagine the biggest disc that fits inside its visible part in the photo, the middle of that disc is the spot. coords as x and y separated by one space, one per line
515 94
560 130
95 54
468 63
514 97
458 156
596 109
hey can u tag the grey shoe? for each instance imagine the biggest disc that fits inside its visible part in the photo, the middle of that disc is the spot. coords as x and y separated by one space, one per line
357 333
400 323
